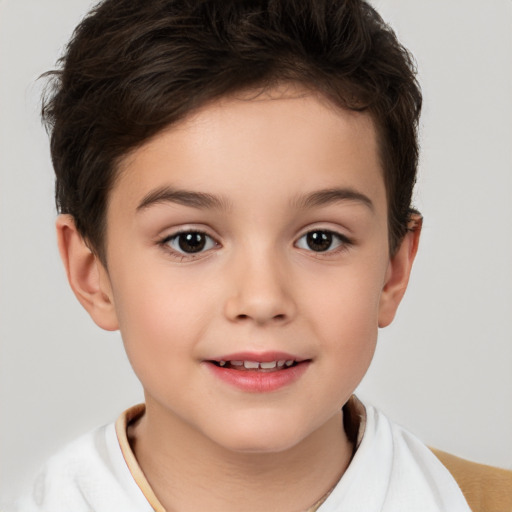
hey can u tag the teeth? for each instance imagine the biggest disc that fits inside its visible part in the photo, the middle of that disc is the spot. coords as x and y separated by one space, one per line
255 365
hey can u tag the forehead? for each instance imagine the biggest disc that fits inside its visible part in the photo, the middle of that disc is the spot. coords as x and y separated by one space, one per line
286 138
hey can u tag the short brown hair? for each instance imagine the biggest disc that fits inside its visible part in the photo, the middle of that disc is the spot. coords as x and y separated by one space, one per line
134 67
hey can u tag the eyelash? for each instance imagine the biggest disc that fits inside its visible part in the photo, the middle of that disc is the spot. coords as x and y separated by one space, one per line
343 242
326 235
176 237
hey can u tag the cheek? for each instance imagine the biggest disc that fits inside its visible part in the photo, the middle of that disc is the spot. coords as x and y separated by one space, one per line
348 296
344 310
160 316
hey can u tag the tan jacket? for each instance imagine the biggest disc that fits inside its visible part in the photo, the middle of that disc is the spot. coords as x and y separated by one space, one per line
486 488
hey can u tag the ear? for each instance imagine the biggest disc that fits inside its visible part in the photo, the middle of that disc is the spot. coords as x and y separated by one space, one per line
398 272
87 276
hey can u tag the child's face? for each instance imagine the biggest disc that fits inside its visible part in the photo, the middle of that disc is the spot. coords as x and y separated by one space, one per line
283 256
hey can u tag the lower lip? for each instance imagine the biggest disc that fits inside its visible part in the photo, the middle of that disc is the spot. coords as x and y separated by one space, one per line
257 381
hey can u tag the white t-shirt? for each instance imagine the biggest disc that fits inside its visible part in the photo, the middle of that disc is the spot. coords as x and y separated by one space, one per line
391 471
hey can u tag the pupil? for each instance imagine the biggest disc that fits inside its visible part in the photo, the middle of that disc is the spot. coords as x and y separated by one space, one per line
319 240
192 242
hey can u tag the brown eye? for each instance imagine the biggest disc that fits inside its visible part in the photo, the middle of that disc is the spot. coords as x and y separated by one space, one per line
190 242
321 241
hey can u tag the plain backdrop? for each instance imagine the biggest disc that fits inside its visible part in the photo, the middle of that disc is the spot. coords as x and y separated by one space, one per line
443 369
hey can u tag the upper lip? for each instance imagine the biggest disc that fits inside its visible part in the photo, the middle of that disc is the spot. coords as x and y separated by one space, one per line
260 357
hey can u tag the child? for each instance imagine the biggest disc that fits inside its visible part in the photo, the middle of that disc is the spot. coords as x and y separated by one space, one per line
235 183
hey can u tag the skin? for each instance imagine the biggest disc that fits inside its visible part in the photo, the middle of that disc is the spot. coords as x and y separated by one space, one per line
258 286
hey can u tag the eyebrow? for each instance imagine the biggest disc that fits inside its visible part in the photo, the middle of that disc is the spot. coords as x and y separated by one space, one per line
203 200
332 195
168 194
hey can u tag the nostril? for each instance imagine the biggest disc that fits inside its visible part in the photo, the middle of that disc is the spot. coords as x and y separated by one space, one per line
279 317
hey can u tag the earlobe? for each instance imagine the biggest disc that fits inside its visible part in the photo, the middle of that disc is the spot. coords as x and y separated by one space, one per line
86 274
398 272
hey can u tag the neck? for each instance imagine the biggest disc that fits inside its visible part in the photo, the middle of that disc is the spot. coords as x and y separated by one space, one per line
189 472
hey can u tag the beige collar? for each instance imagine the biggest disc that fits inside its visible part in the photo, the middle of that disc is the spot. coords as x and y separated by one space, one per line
354 421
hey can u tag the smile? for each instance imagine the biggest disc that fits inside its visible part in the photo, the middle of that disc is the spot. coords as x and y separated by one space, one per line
267 366
258 373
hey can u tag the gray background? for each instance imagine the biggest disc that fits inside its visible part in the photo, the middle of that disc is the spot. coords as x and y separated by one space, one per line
443 369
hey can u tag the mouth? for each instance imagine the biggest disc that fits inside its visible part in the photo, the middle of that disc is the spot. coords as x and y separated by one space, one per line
257 366
259 372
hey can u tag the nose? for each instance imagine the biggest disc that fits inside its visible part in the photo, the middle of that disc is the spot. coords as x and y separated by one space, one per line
260 290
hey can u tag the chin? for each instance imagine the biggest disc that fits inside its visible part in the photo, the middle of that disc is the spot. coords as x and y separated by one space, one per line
260 438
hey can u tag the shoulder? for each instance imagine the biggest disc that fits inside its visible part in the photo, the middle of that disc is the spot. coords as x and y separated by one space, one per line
76 460
392 471
486 488
87 475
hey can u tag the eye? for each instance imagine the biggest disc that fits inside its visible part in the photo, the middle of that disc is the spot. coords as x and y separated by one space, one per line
321 241
190 242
